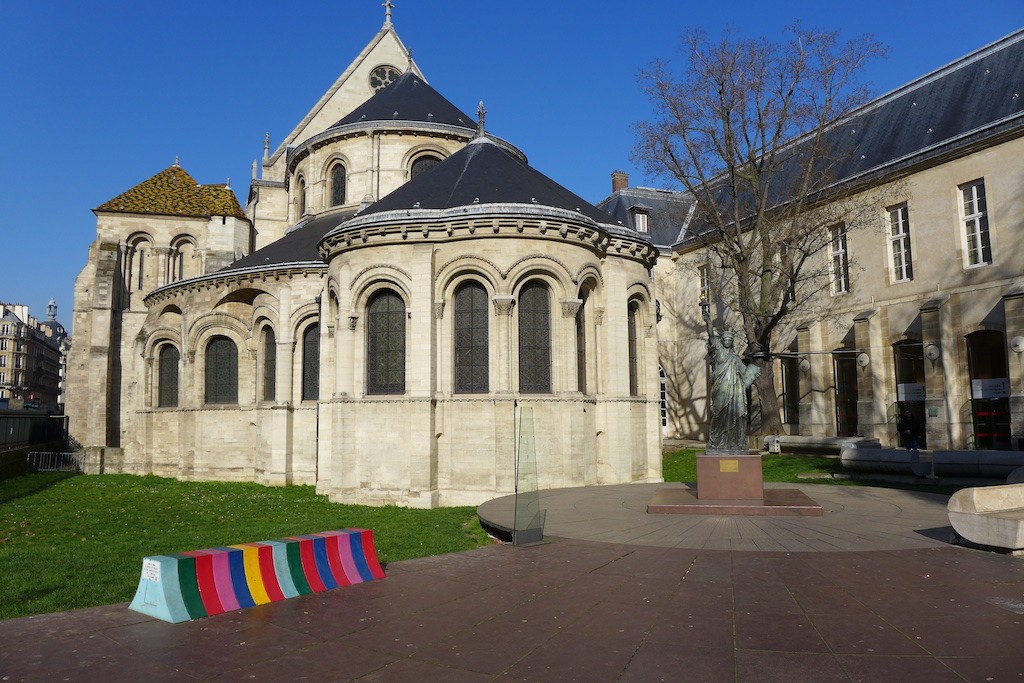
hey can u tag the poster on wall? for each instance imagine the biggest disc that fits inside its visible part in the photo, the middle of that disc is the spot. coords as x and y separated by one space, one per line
910 392
990 388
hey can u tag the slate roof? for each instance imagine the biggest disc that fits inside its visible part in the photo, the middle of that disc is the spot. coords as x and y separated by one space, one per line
667 209
975 98
297 246
173 192
409 98
484 173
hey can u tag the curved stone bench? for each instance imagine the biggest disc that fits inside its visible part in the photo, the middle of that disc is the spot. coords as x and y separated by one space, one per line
887 460
199 583
989 515
825 445
997 464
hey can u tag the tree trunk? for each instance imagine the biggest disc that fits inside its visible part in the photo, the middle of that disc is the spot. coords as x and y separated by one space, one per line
771 416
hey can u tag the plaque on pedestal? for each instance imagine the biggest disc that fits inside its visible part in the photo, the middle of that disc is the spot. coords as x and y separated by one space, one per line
730 476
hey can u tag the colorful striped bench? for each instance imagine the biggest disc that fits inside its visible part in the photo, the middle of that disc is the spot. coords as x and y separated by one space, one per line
199 583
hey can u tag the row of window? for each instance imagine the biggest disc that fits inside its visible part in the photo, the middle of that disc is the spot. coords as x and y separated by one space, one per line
18 360
386 349
337 178
976 239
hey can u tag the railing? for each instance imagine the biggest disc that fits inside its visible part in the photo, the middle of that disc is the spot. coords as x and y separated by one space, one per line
41 461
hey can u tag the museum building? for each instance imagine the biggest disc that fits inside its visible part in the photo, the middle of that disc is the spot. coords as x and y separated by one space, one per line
917 338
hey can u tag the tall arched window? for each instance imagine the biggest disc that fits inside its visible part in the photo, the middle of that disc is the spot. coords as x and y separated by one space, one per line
471 332
269 363
632 317
300 196
167 392
422 165
338 184
385 344
534 339
311 363
221 371
581 342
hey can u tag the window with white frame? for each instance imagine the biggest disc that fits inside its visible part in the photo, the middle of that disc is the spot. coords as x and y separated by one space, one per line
899 243
705 282
839 262
975 217
641 220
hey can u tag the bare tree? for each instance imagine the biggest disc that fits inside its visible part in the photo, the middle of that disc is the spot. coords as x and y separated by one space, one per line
757 132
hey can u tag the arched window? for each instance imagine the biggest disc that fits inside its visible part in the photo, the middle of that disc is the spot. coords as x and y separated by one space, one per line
221 371
385 344
182 259
136 250
632 317
167 392
422 165
534 339
300 196
338 184
471 320
269 363
311 363
581 342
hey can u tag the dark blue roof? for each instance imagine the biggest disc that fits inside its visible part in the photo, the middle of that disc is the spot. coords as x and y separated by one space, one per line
409 98
482 172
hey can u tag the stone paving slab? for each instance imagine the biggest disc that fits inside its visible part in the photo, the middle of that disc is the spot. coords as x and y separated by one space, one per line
580 610
856 518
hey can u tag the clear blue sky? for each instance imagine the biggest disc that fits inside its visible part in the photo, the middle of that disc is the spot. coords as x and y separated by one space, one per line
98 96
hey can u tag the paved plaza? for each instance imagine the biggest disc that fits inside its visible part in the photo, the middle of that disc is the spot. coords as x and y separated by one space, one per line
872 591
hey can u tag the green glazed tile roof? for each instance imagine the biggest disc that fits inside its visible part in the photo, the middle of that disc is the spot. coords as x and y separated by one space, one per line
173 192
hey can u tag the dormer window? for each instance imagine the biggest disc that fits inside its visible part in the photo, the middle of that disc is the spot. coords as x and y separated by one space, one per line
641 220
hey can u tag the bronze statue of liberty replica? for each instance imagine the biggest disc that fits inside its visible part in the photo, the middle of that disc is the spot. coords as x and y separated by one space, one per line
730 379
730 480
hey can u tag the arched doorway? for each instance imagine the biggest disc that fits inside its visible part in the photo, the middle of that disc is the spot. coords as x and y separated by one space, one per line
990 389
908 357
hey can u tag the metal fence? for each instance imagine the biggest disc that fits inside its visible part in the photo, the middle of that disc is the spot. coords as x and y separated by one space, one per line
40 461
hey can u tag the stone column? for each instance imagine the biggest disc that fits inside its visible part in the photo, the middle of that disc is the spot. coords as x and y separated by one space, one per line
1013 303
816 418
940 407
503 333
282 419
569 378
870 391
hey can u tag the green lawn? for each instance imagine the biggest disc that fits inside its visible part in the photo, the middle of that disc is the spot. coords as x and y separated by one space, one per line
77 541
682 466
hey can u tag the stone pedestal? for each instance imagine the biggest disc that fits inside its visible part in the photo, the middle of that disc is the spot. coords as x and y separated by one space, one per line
730 476
732 484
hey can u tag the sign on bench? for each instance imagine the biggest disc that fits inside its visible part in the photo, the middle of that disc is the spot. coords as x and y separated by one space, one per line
200 583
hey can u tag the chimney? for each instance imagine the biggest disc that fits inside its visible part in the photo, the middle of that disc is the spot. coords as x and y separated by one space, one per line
620 181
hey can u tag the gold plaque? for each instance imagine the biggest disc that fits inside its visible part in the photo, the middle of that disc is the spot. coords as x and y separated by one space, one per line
728 465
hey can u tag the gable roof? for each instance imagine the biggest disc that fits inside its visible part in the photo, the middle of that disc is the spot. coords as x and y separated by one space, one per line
409 98
483 172
173 192
382 40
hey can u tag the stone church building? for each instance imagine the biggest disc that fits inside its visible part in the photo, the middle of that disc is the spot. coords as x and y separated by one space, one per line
400 290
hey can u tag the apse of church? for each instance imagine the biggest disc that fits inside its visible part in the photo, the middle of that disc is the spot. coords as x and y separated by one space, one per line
376 319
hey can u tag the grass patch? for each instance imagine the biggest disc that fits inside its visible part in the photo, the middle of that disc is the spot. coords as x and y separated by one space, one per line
78 541
682 466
